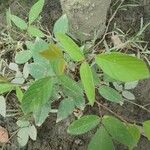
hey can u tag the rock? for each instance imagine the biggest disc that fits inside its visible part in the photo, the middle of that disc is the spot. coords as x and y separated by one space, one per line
86 17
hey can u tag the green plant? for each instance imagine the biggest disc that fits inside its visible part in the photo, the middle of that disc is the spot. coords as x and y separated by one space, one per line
54 66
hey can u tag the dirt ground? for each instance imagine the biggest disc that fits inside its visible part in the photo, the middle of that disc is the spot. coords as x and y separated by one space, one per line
52 136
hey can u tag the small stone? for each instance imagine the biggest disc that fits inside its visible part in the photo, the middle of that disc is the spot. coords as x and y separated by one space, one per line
78 142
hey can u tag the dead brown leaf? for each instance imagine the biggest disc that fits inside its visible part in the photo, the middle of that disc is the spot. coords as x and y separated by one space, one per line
4 138
117 42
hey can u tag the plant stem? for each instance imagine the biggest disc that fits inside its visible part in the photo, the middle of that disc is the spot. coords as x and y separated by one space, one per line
140 106
99 104
13 115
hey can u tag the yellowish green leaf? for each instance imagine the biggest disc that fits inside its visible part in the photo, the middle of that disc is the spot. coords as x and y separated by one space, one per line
59 66
53 52
6 87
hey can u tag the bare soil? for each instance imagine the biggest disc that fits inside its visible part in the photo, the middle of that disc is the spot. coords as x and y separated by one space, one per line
52 136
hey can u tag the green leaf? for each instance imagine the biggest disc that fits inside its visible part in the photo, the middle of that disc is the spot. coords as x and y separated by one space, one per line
101 141
19 22
23 56
23 136
79 102
41 114
66 108
130 85
87 81
95 77
38 47
26 130
73 90
59 66
118 130
128 95
71 86
2 106
26 70
35 11
41 65
61 25
29 45
110 94
14 67
6 87
23 123
37 95
118 86
134 130
39 71
122 67
146 127
35 32
32 131
83 125
19 94
8 17
107 78
70 47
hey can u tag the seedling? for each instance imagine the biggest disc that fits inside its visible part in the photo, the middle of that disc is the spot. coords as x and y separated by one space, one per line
50 63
